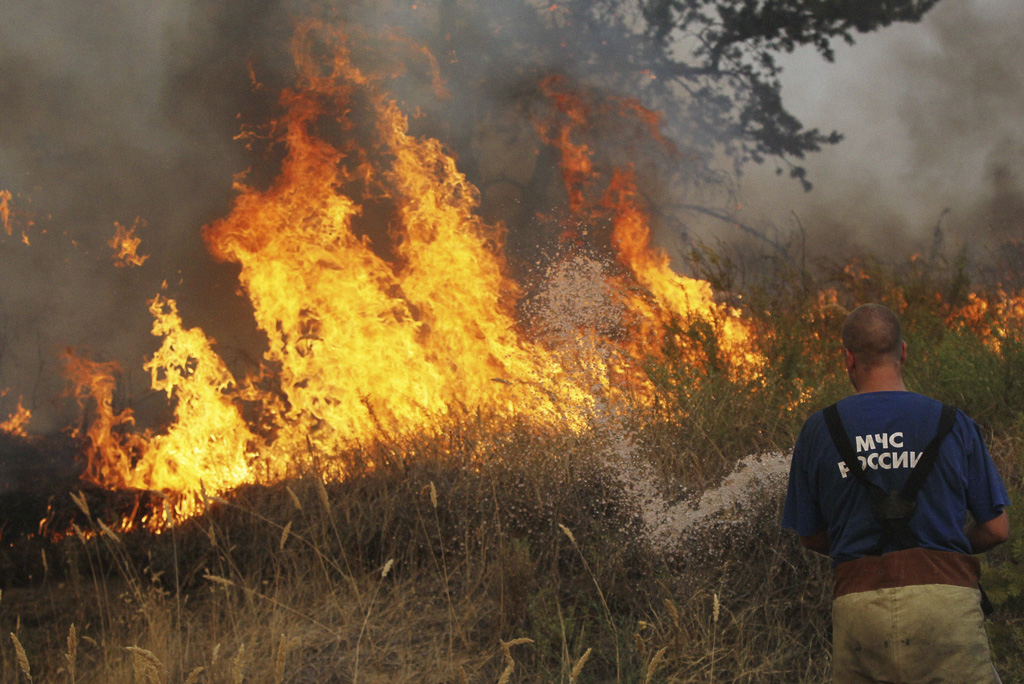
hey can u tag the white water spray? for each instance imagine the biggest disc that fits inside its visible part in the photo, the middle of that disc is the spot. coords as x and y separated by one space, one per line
575 312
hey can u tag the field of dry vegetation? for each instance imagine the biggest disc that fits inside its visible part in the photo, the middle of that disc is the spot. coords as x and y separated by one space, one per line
489 551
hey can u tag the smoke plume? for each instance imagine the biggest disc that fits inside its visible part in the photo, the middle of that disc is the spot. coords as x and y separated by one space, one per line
932 119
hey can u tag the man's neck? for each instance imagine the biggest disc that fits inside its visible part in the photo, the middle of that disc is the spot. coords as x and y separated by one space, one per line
880 380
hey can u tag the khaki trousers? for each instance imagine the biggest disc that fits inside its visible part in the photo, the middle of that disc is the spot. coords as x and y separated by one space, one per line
919 634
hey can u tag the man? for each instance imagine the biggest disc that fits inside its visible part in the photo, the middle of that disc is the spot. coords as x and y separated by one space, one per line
900 614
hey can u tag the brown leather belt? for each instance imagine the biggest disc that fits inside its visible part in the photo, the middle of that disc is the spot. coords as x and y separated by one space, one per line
906 568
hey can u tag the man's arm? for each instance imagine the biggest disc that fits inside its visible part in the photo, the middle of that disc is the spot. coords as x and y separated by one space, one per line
989 534
816 542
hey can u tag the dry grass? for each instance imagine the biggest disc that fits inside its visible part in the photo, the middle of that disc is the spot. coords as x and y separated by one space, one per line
454 569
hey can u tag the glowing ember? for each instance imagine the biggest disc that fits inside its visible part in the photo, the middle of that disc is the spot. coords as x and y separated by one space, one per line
5 210
990 318
126 245
16 422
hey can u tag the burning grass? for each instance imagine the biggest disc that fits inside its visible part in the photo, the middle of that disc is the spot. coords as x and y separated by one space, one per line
538 541
492 550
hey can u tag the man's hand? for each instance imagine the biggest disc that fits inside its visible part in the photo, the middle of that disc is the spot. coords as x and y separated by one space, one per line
816 542
989 534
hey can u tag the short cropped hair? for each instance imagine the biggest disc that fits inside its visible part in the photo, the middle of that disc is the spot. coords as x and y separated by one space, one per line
872 333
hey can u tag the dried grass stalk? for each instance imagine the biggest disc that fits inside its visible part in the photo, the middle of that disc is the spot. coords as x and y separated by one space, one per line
219 580
113 535
238 666
22 658
148 668
673 611
284 647
510 663
295 499
506 674
655 664
72 655
81 502
322 491
578 667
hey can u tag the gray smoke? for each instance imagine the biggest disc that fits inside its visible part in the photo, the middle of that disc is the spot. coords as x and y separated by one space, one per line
108 112
933 118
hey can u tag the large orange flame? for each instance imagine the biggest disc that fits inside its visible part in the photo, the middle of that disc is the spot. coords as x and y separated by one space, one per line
363 345
364 342
359 346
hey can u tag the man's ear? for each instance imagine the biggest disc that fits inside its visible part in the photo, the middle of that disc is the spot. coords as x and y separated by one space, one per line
849 358
903 353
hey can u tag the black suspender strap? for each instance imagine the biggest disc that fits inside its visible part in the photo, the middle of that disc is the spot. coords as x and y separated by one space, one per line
892 508
931 452
842 442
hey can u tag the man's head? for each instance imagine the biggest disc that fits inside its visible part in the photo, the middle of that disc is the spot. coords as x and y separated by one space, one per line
873 337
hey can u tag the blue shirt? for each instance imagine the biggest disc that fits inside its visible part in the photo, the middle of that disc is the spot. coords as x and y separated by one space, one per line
889 431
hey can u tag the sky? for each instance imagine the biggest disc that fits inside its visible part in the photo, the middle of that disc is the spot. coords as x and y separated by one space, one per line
126 110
